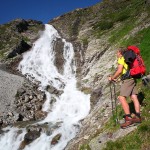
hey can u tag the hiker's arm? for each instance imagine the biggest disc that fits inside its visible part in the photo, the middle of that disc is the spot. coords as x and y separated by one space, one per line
117 73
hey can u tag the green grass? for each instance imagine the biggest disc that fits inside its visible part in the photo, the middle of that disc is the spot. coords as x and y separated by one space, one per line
118 34
125 144
126 13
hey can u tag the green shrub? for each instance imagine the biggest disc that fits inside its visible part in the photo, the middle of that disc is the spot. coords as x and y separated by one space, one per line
122 17
105 25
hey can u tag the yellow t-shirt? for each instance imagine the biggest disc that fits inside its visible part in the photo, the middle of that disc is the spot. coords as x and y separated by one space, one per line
121 61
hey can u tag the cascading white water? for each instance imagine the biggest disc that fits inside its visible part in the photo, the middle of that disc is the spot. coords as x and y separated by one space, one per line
69 108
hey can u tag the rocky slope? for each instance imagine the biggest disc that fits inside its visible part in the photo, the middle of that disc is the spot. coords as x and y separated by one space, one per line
96 33
99 31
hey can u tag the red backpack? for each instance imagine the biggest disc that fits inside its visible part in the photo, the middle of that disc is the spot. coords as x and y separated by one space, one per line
135 61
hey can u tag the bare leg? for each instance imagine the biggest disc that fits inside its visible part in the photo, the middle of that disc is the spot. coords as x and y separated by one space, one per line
124 104
136 103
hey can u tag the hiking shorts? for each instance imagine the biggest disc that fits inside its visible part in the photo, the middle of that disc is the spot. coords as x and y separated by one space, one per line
128 88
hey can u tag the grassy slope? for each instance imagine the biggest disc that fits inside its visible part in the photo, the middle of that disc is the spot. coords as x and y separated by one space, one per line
127 16
140 138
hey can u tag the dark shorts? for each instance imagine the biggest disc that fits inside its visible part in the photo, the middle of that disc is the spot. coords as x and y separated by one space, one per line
128 88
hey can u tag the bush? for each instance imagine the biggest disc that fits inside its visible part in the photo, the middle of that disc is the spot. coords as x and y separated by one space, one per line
105 25
122 17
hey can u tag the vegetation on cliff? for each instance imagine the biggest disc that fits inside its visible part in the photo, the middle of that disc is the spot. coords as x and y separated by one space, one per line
17 36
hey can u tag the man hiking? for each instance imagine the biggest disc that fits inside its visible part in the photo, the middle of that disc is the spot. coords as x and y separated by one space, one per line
128 88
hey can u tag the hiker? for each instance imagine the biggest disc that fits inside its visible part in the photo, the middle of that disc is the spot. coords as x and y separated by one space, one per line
128 88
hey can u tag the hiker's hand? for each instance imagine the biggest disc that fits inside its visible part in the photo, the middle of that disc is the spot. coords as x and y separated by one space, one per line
110 78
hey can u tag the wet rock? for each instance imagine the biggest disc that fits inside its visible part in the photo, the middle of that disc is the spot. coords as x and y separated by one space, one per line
59 58
29 137
1 130
22 145
53 90
1 122
56 139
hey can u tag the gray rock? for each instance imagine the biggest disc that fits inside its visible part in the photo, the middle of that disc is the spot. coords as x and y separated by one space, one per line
9 84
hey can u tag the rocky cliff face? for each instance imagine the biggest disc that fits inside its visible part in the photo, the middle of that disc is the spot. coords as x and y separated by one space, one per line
96 33
18 36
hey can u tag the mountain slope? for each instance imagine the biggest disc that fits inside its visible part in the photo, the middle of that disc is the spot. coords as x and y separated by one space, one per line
96 33
100 30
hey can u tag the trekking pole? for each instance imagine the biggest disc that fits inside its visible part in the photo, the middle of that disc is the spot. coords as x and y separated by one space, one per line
113 96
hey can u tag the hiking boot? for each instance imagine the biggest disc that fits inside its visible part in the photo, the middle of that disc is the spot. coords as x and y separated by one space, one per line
128 122
136 119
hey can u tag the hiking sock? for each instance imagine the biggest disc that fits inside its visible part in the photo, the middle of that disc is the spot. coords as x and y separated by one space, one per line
138 115
129 115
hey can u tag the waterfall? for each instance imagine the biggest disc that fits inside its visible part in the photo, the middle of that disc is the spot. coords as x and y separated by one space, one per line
70 107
